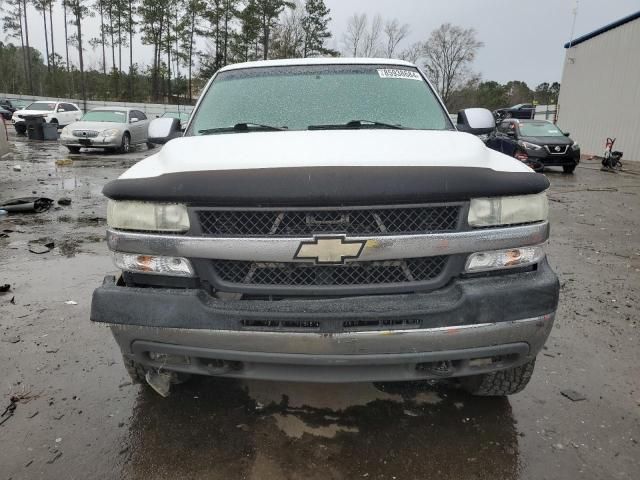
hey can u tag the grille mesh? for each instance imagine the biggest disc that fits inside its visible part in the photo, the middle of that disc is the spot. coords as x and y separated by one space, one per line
410 220
81 133
304 274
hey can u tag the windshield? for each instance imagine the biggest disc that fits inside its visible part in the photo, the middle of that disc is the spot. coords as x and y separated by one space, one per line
540 129
42 106
113 116
299 97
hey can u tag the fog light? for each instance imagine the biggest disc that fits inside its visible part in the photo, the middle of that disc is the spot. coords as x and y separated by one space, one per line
172 266
168 358
503 259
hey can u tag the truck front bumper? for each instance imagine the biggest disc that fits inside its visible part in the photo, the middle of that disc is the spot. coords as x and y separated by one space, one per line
474 325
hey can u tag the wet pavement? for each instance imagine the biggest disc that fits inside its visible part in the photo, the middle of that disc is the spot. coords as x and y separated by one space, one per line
78 416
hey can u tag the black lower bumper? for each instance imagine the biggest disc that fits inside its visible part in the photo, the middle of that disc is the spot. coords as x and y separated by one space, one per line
465 301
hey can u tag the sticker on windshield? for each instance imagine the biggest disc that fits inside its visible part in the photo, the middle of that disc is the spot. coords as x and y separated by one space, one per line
398 73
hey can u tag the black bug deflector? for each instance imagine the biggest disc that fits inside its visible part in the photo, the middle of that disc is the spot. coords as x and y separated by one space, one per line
327 186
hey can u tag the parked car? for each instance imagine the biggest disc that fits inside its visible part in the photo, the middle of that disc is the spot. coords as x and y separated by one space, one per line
5 114
324 220
521 110
111 128
60 113
8 105
539 143
182 116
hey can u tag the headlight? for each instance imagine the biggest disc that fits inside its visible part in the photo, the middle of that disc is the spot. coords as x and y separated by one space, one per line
575 146
157 217
503 259
111 132
530 146
486 212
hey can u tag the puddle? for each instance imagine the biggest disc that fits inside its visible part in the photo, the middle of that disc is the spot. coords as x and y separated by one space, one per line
294 427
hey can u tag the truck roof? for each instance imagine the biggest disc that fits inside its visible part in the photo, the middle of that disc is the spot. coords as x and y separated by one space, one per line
317 61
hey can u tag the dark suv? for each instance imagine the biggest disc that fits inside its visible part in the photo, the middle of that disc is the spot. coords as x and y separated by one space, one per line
521 110
538 143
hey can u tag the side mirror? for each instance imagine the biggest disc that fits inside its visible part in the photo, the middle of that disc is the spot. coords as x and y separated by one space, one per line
161 130
567 134
477 121
135 119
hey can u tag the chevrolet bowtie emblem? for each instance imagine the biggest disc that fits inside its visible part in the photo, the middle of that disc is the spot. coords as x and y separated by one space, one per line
329 250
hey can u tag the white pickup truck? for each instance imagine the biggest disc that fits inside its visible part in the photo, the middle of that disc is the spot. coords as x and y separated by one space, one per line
324 220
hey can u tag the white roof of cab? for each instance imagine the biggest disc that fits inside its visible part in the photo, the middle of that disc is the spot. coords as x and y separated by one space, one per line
317 61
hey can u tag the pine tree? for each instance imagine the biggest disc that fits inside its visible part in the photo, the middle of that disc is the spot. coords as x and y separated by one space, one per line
268 11
315 24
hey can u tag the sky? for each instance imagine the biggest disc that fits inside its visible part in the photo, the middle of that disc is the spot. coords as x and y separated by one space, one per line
523 39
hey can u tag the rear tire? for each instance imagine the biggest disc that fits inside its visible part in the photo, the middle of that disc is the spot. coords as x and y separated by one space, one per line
568 168
74 149
21 129
500 383
151 146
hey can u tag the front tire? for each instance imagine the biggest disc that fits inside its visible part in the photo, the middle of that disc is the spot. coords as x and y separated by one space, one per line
125 146
151 146
568 168
21 129
500 383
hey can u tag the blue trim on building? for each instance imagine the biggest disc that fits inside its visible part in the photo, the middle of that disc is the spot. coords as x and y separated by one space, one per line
606 28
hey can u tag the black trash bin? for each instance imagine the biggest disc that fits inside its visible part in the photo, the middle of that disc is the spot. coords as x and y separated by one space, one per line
35 127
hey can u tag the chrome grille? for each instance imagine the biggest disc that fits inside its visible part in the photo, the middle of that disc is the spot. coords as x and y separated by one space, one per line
351 274
85 133
401 220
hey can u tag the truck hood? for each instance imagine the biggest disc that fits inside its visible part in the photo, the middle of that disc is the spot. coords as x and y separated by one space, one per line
355 148
325 168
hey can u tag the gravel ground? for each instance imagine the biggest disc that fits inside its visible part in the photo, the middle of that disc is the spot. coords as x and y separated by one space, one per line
77 415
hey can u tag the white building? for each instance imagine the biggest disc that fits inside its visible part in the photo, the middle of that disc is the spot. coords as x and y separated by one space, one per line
600 90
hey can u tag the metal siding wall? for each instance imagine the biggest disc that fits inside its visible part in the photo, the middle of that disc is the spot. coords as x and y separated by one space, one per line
600 92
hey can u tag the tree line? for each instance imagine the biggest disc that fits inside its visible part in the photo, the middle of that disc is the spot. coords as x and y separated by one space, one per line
231 31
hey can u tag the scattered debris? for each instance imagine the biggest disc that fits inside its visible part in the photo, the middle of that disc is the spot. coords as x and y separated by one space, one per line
573 395
5 288
34 414
27 205
12 339
64 201
17 168
56 457
41 246
160 382
64 161
70 302
11 408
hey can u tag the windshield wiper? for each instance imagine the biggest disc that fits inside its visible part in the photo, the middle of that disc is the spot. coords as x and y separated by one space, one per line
242 127
357 124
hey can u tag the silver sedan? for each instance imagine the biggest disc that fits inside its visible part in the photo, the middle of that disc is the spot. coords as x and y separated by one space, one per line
111 128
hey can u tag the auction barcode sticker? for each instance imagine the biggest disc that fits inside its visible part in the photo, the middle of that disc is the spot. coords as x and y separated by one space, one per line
399 73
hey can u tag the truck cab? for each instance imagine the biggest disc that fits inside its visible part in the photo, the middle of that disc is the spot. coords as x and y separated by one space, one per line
324 220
